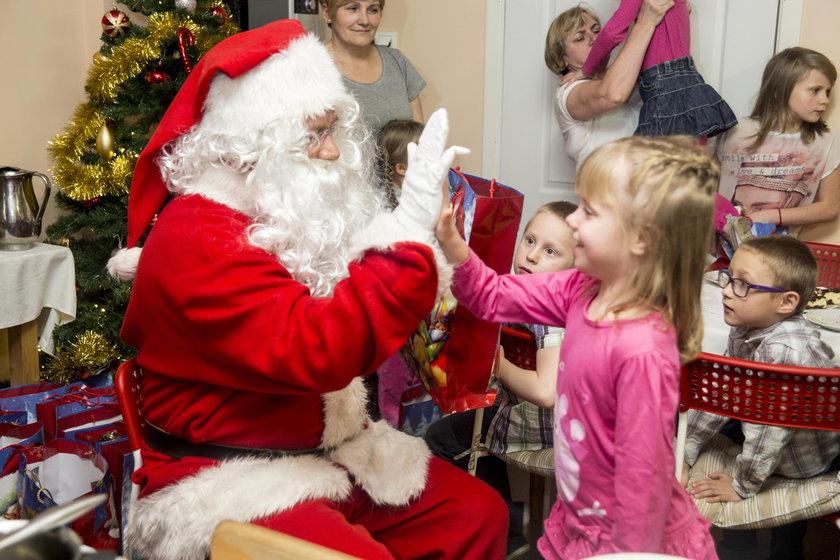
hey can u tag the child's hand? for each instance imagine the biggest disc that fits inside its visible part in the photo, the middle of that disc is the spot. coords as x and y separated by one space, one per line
453 245
571 77
684 477
653 11
770 216
717 488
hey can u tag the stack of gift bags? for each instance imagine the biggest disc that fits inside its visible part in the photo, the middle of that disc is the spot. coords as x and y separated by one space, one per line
60 442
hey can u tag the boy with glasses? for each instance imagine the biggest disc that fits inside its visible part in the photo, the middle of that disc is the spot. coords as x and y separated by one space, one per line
769 281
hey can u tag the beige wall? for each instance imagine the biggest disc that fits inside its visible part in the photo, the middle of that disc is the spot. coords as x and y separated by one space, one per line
444 39
45 50
819 32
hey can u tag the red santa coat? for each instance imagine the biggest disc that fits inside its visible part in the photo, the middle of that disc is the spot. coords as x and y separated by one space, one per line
236 352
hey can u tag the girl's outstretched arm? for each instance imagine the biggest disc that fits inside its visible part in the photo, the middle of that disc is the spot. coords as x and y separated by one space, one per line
538 387
592 99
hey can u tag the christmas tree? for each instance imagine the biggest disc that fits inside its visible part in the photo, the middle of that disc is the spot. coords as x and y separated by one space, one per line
143 61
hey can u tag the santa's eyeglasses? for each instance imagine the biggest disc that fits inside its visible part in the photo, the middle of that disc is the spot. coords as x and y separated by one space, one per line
321 135
741 288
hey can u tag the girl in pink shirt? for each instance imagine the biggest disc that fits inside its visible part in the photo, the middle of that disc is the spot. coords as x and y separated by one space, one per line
675 99
632 314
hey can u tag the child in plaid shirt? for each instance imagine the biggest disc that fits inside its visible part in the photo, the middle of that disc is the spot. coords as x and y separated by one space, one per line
511 424
769 281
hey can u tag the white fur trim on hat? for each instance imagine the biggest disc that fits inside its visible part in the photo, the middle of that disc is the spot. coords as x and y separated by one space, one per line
384 231
301 80
123 265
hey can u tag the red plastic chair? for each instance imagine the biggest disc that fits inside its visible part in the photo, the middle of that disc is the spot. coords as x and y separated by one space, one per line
789 396
520 349
828 260
128 382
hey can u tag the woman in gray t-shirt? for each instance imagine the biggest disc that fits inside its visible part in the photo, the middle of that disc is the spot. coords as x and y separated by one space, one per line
382 79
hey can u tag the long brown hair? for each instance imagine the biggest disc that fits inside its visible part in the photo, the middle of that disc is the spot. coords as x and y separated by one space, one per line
772 108
669 199
393 149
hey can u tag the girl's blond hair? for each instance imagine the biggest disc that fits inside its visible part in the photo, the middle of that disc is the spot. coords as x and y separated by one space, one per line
332 6
563 24
392 148
772 106
668 200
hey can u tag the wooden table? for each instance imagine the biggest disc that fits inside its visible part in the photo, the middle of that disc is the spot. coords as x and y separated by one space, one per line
37 293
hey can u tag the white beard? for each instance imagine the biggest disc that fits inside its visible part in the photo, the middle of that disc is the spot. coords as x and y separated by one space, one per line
307 211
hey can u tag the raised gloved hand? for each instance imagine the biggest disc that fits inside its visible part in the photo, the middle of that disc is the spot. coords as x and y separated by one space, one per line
428 163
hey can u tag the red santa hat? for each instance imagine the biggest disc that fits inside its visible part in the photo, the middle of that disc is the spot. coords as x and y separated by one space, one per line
241 85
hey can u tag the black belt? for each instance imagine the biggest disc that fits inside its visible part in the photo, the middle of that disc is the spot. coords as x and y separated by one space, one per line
179 448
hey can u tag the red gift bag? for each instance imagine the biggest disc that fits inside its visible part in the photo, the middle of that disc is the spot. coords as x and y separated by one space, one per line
453 352
59 472
82 407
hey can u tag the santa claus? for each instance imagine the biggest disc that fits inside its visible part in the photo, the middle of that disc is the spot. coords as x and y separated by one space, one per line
271 281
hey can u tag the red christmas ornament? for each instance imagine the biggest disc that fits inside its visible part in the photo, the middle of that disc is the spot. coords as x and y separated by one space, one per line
156 76
218 11
115 23
91 203
185 39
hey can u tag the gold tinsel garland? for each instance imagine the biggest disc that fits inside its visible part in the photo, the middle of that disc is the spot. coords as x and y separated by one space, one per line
84 182
87 355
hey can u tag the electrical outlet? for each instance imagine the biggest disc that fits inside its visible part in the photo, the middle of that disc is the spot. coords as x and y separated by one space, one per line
386 39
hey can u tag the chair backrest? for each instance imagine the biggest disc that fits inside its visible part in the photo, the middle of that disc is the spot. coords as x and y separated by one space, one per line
828 260
792 396
520 348
128 382
233 540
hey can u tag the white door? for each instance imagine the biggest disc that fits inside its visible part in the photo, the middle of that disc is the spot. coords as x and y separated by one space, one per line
731 42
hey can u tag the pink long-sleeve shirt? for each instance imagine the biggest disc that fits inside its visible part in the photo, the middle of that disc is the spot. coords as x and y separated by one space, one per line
671 39
617 393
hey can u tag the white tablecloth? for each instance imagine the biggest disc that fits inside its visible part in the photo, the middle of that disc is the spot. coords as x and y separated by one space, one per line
716 331
39 283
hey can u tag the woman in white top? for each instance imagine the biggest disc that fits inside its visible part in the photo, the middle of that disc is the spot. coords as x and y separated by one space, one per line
593 112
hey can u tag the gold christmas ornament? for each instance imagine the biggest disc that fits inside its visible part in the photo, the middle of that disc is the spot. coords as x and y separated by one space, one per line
87 355
99 57
105 143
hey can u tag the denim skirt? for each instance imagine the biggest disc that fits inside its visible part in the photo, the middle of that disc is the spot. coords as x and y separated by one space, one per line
676 100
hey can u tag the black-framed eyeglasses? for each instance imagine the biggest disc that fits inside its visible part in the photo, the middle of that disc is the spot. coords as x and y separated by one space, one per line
741 288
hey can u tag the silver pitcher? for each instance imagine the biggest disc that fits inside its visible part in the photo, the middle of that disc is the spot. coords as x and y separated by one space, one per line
20 213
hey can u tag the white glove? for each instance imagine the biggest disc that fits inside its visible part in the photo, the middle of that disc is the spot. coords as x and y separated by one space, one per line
428 163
